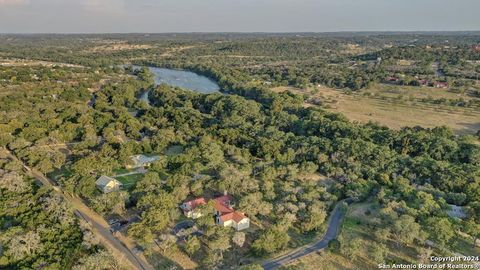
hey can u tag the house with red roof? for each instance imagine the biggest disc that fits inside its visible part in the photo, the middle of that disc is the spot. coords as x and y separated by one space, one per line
224 213
235 219
424 82
226 216
189 208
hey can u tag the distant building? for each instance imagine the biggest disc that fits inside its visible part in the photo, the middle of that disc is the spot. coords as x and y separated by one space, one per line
441 84
456 211
424 82
139 161
392 79
476 48
107 184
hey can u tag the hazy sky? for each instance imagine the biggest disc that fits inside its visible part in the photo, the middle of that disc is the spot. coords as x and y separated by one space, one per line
100 16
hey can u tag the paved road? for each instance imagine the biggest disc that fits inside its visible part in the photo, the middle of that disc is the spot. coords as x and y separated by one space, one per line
334 224
99 224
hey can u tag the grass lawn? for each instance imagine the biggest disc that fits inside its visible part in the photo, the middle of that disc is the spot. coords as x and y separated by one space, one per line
57 174
121 171
130 180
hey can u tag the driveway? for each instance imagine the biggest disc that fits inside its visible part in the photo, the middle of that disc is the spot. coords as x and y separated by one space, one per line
334 224
183 225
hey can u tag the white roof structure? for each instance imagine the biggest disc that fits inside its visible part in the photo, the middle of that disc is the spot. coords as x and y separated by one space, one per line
456 211
104 181
142 160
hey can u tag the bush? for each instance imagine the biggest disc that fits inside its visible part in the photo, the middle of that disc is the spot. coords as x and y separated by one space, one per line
334 246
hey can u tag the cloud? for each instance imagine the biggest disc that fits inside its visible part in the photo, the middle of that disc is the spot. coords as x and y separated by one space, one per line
4 3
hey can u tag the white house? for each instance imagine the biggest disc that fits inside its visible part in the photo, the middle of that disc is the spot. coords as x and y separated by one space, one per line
189 208
456 211
236 220
226 216
107 184
139 161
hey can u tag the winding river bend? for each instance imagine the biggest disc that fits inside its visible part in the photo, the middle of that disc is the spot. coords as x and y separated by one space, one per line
183 79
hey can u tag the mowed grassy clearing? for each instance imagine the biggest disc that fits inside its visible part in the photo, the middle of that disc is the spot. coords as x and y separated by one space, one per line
129 180
395 109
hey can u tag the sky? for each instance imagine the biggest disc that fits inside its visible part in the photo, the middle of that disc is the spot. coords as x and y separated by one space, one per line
160 16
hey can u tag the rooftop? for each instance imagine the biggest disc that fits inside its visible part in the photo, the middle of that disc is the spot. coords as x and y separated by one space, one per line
104 180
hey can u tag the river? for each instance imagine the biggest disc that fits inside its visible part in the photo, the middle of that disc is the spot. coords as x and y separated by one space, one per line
183 79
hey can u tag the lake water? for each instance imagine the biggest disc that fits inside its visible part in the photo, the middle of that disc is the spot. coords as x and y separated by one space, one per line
184 79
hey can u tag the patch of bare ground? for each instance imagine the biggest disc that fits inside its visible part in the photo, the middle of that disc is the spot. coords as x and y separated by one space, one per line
97 86
24 62
119 47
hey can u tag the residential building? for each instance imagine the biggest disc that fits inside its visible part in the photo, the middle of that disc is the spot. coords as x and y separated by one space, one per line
456 211
392 80
141 161
424 82
189 208
441 84
224 213
236 220
226 216
108 184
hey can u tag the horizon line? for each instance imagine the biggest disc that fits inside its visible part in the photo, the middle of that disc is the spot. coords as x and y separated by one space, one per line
242 32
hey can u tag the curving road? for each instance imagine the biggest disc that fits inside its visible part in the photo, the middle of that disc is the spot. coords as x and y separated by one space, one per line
334 224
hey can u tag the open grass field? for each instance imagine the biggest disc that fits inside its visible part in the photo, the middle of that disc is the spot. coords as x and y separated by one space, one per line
129 180
396 107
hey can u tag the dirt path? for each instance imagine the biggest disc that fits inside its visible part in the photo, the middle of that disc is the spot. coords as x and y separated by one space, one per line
137 171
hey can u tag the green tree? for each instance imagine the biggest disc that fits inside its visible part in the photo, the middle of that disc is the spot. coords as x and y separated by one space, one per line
378 252
270 241
440 230
192 245
316 215
473 229
350 246
405 229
